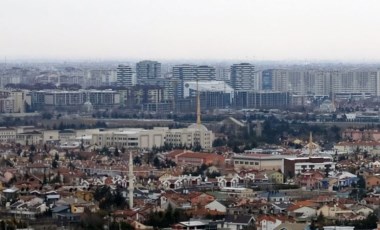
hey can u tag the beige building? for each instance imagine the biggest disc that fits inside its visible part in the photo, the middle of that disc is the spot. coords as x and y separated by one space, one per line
30 137
192 136
157 137
7 134
20 135
12 101
129 138
18 101
259 161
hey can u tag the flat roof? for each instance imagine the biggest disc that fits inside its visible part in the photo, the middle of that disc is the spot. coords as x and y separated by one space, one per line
305 158
230 188
262 156
193 223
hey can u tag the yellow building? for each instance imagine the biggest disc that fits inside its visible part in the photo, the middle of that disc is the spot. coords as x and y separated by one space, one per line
85 195
275 177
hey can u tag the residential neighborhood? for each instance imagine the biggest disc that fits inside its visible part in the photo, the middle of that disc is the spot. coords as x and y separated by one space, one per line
91 186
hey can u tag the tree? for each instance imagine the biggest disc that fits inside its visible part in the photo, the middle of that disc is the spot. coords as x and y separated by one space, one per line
137 160
361 182
54 164
120 226
100 192
321 219
71 166
31 160
219 142
47 115
119 200
61 126
92 220
105 151
122 150
116 152
167 218
32 148
156 162
327 170
44 180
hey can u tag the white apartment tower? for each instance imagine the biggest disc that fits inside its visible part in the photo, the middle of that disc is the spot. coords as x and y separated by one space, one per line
243 77
124 76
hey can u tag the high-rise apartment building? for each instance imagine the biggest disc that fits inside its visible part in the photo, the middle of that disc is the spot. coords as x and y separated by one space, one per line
124 76
182 73
267 79
321 82
243 77
147 70
205 73
317 83
223 74
100 77
346 82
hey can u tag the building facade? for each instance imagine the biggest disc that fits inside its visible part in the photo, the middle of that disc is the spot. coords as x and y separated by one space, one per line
124 76
147 70
243 77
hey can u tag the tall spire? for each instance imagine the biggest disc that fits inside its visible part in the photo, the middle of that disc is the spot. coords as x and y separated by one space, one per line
198 106
311 144
130 181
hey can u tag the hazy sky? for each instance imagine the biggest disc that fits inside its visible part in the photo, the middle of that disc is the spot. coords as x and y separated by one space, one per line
191 29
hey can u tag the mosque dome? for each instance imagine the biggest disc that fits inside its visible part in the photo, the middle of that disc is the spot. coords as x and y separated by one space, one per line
87 106
196 126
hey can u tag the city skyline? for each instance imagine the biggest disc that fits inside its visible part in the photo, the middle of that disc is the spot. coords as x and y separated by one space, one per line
218 30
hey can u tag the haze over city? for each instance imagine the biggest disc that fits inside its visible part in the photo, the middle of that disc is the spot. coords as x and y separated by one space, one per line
185 115
170 29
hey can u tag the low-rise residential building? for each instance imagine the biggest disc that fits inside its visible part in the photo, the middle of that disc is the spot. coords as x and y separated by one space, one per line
333 210
351 147
275 177
216 206
372 181
359 135
296 165
267 222
238 222
198 159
